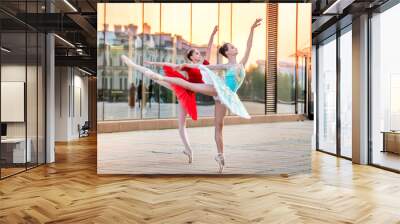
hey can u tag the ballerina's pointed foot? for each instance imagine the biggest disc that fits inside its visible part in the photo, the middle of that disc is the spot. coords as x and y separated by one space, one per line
189 154
220 161
125 59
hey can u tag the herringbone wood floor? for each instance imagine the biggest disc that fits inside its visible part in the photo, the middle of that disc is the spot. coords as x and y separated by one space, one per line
70 191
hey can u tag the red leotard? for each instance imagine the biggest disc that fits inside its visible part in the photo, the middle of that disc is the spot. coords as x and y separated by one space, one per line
194 73
186 97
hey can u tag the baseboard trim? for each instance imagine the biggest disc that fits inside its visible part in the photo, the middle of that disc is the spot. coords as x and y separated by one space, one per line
158 124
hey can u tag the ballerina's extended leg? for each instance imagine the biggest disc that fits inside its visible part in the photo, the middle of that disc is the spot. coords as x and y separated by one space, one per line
142 69
195 87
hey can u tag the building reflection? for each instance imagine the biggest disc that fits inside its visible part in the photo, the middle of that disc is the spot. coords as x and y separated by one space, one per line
125 94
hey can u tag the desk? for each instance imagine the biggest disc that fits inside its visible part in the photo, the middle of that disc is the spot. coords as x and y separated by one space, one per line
15 148
391 141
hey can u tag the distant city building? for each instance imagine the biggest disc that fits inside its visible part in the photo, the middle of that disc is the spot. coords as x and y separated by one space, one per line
140 47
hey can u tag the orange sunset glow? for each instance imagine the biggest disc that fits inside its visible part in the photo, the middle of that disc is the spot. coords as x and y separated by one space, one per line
195 21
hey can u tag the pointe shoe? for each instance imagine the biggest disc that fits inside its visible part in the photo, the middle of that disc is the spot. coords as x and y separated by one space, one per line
221 162
189 154
124 59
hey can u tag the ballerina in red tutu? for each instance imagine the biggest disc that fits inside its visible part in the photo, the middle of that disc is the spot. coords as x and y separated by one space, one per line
186 98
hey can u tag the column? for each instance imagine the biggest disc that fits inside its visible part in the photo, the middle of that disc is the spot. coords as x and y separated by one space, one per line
360 90
50 98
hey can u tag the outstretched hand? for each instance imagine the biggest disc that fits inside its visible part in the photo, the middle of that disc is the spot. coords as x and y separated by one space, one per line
256 23
250 41
215 30
147 62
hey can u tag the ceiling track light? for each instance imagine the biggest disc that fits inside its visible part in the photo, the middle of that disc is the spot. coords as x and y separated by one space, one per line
65 41
337 7
84 71
70 5
5 50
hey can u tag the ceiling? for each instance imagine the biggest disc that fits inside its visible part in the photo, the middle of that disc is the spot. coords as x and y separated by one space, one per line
76 22
72 20
331 15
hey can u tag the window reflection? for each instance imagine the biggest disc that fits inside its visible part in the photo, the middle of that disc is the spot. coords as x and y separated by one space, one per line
165 31
174 43
201 31
252 92
327 98
122 92
151 52
303 53
286 58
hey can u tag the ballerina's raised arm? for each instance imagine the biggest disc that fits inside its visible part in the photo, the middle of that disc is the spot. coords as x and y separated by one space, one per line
250 42
211 67
210 43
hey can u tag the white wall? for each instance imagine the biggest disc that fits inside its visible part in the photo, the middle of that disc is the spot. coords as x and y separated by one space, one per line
80 94
62 80
71 87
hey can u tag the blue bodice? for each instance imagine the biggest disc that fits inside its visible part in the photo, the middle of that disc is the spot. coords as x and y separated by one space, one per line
234 77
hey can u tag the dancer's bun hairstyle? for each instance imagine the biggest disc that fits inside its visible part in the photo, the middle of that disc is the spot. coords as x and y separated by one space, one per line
189 54
223 49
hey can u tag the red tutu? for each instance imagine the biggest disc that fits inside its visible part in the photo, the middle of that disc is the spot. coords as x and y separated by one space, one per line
194 73
186 97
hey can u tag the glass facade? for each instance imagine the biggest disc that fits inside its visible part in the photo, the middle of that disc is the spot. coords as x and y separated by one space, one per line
22 87
335 90
385 89
334 93
164 32
327 95
346 92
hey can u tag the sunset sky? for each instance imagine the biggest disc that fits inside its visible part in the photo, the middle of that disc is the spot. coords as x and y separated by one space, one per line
176 18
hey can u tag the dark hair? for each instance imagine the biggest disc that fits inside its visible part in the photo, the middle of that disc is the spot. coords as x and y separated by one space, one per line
223 49
189 54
